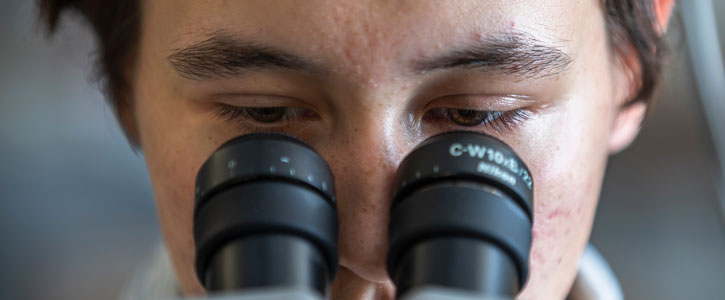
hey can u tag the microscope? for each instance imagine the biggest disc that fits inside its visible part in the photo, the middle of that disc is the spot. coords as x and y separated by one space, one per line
265 220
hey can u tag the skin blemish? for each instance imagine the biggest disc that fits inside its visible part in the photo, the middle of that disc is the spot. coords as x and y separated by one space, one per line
557 213
478 36
536 254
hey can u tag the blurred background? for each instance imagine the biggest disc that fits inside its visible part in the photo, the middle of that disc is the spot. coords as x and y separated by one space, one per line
77 216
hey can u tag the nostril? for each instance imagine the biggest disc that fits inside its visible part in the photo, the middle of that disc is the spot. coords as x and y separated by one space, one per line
363 212
348 285
363 234
372 270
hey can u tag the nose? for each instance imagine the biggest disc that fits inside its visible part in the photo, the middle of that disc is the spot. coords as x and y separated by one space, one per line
364 158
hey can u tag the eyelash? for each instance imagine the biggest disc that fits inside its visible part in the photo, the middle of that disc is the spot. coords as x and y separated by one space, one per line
241 115
494 120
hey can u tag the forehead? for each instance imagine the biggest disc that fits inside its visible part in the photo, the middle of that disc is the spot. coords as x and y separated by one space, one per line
367 36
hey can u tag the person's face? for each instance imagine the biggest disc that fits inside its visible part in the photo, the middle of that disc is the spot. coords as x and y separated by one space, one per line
363 82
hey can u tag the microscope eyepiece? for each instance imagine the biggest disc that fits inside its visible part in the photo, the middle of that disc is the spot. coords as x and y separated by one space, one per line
265 216
461 217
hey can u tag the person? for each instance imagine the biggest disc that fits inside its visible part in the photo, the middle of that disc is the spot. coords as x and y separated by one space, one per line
564 82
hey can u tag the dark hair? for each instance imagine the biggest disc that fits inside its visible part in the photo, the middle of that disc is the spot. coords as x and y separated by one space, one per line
116 25
630 26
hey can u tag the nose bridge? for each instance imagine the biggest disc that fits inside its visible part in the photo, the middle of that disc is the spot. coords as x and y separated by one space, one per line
374 140
364 159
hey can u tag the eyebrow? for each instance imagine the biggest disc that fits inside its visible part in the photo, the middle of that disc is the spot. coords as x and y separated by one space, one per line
222 55
512 53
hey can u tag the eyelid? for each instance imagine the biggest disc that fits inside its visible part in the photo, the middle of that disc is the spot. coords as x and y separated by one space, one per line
482 102
256 100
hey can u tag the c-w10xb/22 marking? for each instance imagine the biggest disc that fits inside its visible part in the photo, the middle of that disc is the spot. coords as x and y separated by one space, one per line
495 156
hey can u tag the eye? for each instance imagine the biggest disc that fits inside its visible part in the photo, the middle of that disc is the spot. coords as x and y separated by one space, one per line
266 114
496 120
469 117
262 115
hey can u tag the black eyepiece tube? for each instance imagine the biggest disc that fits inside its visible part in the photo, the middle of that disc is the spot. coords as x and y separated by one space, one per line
265 216
461 217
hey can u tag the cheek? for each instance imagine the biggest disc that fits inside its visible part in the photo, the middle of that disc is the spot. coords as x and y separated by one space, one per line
172 169
566 195
568 162
172 178
174 149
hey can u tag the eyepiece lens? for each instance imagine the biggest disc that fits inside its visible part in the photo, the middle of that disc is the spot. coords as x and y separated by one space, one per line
461 217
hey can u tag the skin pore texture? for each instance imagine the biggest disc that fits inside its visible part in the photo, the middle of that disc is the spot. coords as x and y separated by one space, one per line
352 70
